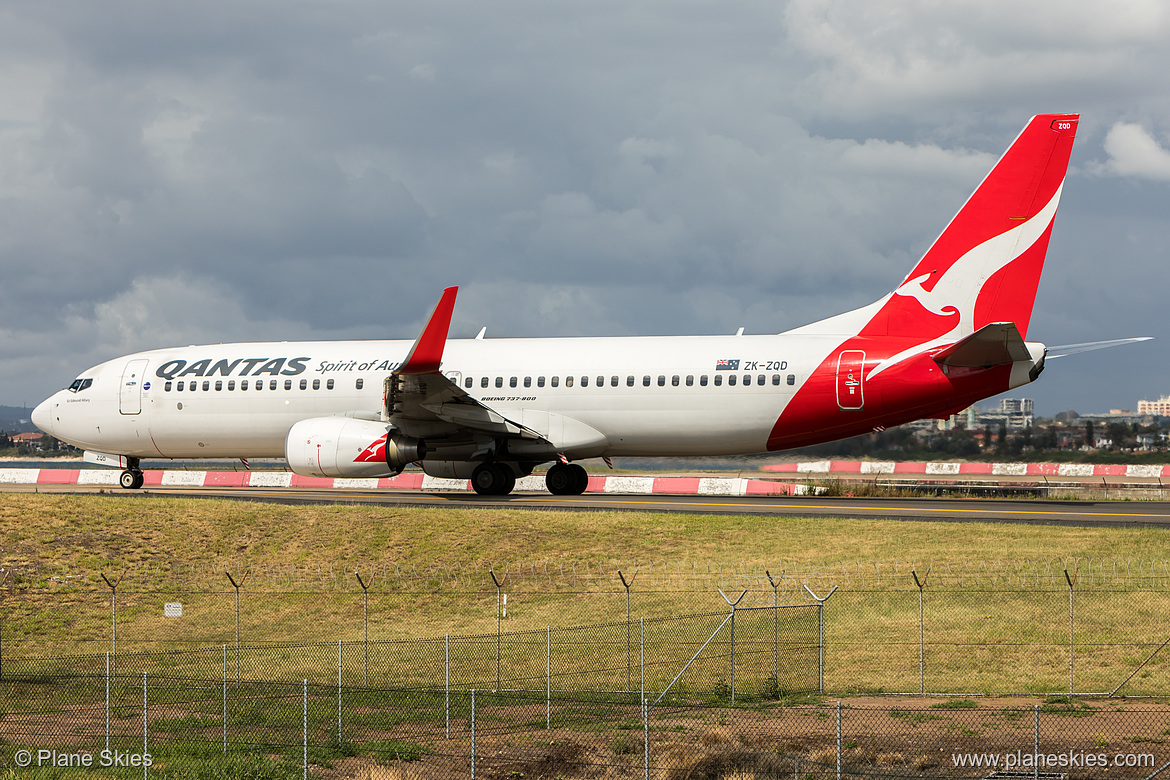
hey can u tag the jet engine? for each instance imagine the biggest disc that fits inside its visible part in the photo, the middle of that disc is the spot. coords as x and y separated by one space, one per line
349 447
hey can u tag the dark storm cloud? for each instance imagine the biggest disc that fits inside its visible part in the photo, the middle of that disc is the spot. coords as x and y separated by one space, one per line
236 171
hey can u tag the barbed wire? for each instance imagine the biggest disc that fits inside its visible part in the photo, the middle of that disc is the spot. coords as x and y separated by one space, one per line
780 577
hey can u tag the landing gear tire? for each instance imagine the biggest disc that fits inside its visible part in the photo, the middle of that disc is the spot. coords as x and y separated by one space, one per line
132 479
566 479
493 479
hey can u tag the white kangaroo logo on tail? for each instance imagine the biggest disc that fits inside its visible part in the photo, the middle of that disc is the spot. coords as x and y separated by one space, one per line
960 285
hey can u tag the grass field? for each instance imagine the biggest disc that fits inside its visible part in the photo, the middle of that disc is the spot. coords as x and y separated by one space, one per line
985 639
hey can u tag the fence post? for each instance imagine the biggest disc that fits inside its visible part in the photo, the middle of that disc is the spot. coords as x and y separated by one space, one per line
820 634
1070 581
642 655
548 679
447 682
775 625
499 615
339 694
365 626
838 739
305 729
145 729
1035 741
3 582
114 615
473 734
107 701
237 587
629 672
225 700
646 736
732 604
921 654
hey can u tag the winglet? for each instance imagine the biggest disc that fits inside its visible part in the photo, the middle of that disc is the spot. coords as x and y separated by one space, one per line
426 355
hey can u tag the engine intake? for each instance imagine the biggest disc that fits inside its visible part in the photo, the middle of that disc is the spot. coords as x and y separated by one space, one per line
349 447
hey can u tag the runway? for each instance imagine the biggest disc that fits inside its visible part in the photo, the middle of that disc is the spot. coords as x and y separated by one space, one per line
1011 511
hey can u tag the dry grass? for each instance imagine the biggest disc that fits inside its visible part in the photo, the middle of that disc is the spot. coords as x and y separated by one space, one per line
97 533
108 530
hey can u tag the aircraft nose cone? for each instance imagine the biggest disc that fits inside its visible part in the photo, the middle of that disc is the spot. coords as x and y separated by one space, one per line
42 416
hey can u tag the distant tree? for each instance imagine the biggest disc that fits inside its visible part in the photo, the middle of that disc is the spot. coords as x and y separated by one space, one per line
1090 440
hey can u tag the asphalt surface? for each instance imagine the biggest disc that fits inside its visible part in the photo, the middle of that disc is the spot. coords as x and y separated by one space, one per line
995 510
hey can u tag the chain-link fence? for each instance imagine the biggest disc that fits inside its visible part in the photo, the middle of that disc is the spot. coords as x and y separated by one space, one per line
947 629
184 726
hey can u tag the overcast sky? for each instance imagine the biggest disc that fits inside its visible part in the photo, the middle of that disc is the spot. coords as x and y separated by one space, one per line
175 173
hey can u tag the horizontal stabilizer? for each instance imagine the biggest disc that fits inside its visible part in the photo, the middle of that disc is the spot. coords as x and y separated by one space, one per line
992 345
1073 349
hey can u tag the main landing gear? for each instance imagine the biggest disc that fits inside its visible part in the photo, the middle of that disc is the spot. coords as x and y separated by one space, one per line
566 479
132 478
493 479
496 479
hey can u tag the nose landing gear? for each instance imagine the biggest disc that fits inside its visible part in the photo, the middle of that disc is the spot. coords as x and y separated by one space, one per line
132 478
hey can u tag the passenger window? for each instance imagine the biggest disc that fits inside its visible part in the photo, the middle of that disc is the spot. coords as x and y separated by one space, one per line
483 382
731 380
674 381
499 381
775 379
761 380
584 381
358 384
512 382
328 384
718 380
747 380
540 381
316 384
690 380
568 381
703 380
304 384
218 385
231 384
792 379
613 381
288 384
167 387
661 381
468 382
556 380
528 381
646 381
206 385
629 381
600 381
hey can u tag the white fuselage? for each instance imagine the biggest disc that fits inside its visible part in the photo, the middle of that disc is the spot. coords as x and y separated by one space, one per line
240 400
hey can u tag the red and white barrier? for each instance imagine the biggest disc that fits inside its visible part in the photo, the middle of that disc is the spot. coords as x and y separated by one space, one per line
709 486
937 468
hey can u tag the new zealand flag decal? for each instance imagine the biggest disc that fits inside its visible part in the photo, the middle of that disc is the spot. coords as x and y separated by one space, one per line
727 365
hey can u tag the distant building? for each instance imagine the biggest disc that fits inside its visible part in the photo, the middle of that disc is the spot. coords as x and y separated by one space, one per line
1159 407
26 438
1014 413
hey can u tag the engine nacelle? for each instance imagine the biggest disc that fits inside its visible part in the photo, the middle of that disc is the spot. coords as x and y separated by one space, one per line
349 447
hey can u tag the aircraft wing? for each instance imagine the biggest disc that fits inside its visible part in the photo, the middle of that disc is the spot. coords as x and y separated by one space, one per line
420 401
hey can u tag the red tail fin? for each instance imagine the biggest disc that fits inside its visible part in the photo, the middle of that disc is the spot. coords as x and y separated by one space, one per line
986 265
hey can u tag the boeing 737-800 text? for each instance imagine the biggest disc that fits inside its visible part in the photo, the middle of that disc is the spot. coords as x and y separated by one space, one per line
492 410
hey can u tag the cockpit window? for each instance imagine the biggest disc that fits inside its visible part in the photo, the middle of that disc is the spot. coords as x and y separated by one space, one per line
79 385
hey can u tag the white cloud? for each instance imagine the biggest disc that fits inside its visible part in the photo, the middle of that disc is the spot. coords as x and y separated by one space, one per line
1134 152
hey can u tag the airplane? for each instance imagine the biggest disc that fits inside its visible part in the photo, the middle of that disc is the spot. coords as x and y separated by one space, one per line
492 410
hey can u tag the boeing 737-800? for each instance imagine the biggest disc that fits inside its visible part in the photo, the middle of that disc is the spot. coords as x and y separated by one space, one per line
491 410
